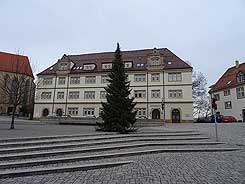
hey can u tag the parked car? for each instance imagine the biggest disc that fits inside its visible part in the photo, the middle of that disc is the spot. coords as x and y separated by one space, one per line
209 119
226 119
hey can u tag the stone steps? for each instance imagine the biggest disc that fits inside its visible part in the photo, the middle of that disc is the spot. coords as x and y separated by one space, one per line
91 138
39 171
30 155
42 155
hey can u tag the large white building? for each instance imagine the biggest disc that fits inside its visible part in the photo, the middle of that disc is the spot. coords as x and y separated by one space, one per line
229 92
161 84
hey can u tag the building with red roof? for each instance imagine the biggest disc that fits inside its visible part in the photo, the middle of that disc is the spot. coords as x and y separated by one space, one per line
161 84
15 64
229 91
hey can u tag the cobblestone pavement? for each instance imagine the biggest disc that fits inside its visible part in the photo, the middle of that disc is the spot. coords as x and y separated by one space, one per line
169 168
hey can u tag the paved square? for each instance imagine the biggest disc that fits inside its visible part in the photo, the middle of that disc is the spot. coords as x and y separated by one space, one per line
173 168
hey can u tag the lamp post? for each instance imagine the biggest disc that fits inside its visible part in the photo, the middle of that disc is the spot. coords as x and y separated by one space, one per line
163 110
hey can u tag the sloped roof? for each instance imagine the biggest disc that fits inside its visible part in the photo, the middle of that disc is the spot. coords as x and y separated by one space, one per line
228 79
15 63
136 56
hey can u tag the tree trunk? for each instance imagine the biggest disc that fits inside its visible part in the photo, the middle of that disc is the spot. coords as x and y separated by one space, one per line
13 116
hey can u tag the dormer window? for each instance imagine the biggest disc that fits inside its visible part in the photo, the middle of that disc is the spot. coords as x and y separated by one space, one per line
128 64
107 66
240 77
89 67
155 61
63 66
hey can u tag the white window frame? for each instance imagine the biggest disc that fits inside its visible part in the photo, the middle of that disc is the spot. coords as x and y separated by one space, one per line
47 81
73 95
61 81
175 93
60 95
73 111
155 77
139 77
89 94
74 80
228 105
240 92
90 79
139 93
46 95
155 93
88 111
175 77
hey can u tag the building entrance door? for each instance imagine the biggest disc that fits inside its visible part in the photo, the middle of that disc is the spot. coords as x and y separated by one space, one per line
45 112
243 115
175 116
59 112
156 114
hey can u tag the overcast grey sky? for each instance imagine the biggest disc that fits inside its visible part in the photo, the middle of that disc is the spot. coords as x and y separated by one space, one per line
210 34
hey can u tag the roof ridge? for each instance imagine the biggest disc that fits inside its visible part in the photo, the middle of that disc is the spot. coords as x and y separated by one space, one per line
112 52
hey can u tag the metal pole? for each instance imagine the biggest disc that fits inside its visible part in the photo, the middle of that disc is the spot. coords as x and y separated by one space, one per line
216 130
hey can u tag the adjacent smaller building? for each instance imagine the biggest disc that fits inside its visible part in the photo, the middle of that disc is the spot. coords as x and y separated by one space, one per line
229 92
12 66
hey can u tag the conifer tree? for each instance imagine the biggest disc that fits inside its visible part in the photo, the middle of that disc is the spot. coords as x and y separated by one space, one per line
118 112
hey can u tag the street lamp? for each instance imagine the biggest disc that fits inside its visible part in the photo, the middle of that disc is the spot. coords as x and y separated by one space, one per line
163 110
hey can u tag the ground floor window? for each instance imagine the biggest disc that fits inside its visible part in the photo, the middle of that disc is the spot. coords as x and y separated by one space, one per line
73 110
228 105
45 112
141 112
88 111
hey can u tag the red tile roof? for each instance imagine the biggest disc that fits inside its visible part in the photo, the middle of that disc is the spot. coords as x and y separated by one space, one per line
136 56
228 79
15 63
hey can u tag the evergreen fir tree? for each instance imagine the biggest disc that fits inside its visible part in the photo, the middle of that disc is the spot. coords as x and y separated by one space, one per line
118 112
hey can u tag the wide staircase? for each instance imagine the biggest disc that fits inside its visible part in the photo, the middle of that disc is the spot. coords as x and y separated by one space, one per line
65 153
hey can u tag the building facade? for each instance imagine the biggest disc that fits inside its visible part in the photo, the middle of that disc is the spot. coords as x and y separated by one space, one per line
229 92
161 83
12 66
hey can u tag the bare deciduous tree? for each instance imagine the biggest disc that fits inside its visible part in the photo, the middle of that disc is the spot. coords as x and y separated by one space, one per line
15 86
201 101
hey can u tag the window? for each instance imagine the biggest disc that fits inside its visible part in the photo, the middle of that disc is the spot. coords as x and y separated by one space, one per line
155 77
62 80
155 94
46 95
103 94
240 92
89 67
75 80
88 111
90 79
107 66
89 94
240 77
139 93
73 110
74 95
227 92
60 95
175 93
141 112
216 96
155 61
104 79
47 81
228 105
139 77
174 77
128 64
63 66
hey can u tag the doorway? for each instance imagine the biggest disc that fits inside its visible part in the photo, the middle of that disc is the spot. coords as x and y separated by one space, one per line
45 112
59 112
156 114
175 116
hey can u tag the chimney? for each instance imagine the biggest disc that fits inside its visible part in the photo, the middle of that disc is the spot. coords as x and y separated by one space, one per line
237 63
